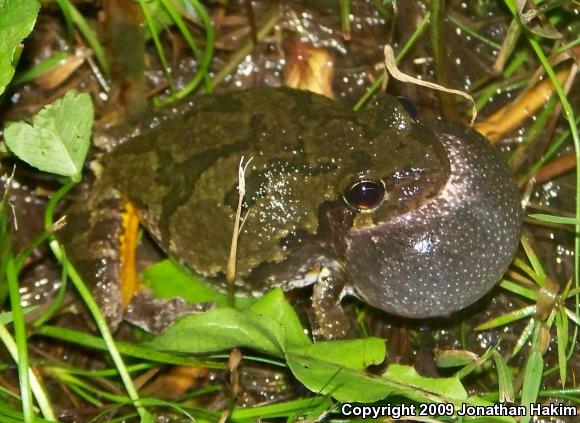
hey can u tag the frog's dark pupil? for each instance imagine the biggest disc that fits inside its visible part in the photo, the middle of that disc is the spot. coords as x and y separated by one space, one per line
365 195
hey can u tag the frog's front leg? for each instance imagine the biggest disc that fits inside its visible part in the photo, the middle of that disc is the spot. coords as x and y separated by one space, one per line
330 320
310 264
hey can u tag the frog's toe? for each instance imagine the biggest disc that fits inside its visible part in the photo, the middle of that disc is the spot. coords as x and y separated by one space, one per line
331 323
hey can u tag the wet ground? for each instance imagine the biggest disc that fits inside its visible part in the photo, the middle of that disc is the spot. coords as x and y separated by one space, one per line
298 42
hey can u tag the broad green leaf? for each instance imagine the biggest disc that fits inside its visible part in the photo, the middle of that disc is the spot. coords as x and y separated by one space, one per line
355 354
449 388
269 326
167 280
355 385
17 18
454 358
59 137
218 330
341 382
273 307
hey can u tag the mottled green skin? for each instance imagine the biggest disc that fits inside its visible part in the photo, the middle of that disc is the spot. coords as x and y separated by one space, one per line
181 171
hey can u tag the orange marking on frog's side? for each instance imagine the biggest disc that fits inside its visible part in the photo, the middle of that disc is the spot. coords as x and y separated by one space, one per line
129 282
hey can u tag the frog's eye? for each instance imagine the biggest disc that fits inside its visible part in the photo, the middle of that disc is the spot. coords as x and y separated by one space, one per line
365 194
409 106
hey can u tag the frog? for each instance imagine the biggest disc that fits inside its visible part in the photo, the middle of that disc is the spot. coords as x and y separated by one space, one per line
419 219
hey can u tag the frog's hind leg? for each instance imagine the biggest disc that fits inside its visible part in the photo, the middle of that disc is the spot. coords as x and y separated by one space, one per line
100 225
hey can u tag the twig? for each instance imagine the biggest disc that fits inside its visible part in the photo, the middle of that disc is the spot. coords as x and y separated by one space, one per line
231 267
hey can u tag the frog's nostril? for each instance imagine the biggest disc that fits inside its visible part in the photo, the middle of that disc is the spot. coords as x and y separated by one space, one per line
409 107
365 194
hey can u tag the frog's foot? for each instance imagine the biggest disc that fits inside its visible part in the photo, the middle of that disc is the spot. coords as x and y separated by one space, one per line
329 318
155 315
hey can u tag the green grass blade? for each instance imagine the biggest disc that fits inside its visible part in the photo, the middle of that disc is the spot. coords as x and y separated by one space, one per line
572 293
94 342
10 416
36 387
157 42
562 333
550 152
458 21
534 260
29 248
89 301
246 47
402 53
520 59
572 316
40 69
84 28
520 264
345 13
568 46
532 373
532 381
180 24
206 58
518 289
508 318
533 135
550 218
281 409
110 372
505 380
85 395
21 341
569 114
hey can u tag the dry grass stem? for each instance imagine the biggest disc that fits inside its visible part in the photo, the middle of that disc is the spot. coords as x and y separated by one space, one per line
394 71
231 268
